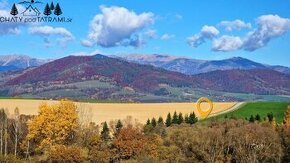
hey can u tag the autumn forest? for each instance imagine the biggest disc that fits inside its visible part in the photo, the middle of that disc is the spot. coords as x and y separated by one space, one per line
62 132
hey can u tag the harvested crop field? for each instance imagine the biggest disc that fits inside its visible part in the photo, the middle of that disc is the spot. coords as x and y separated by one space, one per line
101 112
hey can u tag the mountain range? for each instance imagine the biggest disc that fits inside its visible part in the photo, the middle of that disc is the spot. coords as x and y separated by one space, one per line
79 68
178 64
103 77
194 66
19 62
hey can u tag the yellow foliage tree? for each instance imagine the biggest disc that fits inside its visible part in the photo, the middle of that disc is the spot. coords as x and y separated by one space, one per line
287 117
56 124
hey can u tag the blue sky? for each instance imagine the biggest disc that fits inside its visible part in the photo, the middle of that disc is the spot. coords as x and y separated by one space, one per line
207 29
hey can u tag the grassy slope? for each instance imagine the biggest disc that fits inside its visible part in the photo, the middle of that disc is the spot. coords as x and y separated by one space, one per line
261 108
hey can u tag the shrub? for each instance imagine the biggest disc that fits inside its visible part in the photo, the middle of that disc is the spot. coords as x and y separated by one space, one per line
129 143
9 159
61 153
99 150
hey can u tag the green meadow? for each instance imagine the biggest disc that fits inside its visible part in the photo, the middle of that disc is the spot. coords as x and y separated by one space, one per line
253 108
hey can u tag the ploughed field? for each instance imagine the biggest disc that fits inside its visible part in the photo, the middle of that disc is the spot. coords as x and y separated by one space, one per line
100 112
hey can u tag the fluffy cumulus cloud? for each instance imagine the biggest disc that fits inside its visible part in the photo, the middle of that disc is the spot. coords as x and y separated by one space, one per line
269 27
9 28
234 25
227 43
117 26
46 31
207 32
167 36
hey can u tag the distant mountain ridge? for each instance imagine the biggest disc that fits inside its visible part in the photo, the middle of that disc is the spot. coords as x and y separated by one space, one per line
194 66
65 73
19 62
257 81
178 64
78 68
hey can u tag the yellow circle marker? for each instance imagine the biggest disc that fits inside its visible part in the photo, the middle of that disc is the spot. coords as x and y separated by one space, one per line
204 114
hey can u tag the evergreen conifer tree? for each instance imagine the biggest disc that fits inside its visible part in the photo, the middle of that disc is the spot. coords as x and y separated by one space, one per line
252 119
148 122
119 126
105 134
175 118
180 118
270 117
160 121
258 118
192 118
153 122
226 116
168 120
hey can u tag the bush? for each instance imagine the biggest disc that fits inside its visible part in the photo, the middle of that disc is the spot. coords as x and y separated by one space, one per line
61 153
98 150
98 155
229 141
9 159
129 143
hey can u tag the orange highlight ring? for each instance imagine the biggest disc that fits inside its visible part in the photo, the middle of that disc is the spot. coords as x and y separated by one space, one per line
204 114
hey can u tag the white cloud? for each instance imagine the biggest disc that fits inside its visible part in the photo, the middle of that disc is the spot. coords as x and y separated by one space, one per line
195 41
269 27
207 32
227 43
151 33
9 28
86 53
167 37
87 43
116 26
46 31
234 25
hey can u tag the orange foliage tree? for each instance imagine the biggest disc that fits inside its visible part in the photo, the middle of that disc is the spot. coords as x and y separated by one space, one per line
129 142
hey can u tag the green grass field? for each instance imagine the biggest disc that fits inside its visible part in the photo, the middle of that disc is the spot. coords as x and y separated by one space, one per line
262 108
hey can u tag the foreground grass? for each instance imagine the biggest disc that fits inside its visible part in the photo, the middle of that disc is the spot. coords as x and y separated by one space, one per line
253 108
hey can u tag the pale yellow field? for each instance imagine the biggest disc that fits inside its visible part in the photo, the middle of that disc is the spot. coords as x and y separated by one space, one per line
101 112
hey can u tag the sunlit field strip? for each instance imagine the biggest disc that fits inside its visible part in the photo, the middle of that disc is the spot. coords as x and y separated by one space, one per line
101 112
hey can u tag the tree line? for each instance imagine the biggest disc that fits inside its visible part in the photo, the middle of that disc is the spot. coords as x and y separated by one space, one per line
176 119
